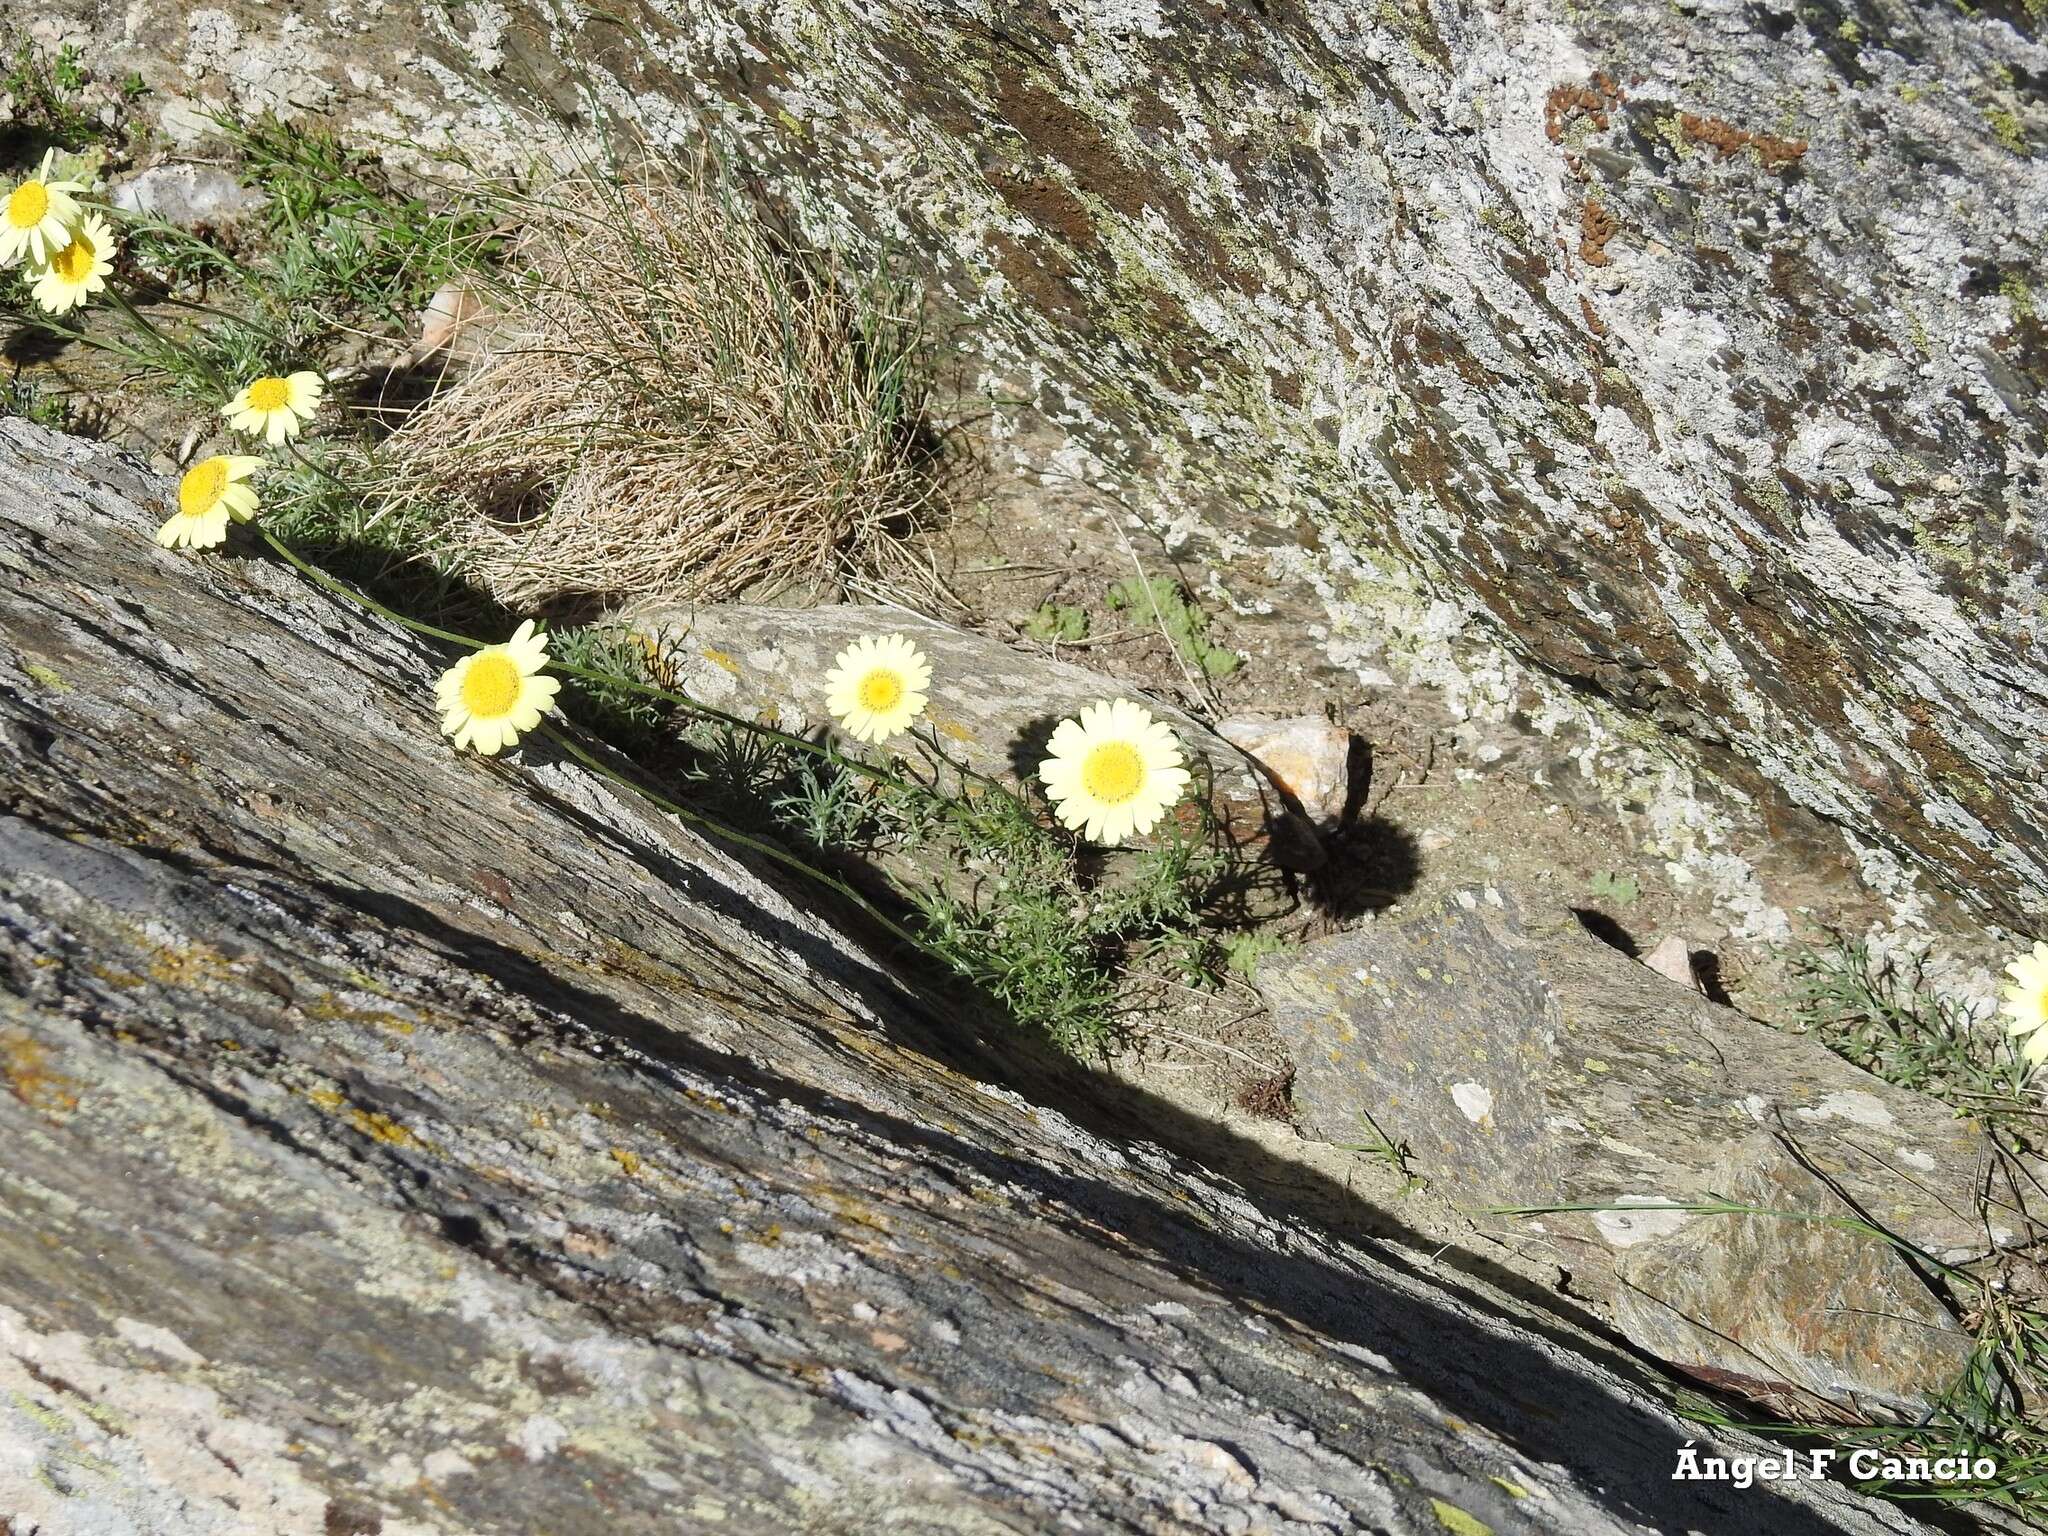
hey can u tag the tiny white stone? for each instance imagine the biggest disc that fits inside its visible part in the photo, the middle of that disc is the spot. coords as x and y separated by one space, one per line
1625 1229
1852 1104
1474 1102
540 1437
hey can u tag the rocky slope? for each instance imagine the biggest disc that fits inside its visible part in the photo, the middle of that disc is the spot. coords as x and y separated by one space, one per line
1696 345
402 1142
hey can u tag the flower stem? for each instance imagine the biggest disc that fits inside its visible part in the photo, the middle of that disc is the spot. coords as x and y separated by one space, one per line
362 600
294 451
730 834
739 722
149 222
369 604
269 335
147 327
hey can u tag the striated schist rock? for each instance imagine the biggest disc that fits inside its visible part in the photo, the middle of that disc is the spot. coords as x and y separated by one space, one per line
1698 345
396 1141
1695 343
1524 1063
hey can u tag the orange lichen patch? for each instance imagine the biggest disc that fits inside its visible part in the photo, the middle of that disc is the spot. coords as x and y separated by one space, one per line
1593 322
25 1064
182 966
1565 102
859 1212
722 659
373 1124
1596 227
708 1101
330 1006
628 1160
381 1127
1727 139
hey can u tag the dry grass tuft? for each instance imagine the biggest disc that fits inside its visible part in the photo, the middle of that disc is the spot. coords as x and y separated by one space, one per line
1271 1097
669 404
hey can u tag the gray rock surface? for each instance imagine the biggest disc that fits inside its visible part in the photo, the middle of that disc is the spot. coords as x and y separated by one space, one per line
1526 1064
404 1142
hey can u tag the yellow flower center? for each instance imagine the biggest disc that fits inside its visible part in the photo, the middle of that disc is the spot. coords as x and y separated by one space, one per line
269 395
74 263
491 686
202 488
28 205
881 691
1113 772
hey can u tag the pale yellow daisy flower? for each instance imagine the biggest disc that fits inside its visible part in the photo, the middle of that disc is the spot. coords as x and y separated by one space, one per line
492 695
1113 772
37 219
211 493
79 270
2026 1002
877 686
275 408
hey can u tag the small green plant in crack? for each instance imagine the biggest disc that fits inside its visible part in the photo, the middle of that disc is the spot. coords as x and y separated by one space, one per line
628 719
1016 912
48 91
830 810
1040 940
344 242
342 252
313 500
1158 600
1386 1149
1242 952
1879 1013
1061 622
31 402
1616 890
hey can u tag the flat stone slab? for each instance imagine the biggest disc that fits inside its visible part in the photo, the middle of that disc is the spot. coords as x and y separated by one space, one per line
992 707
1526 1064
